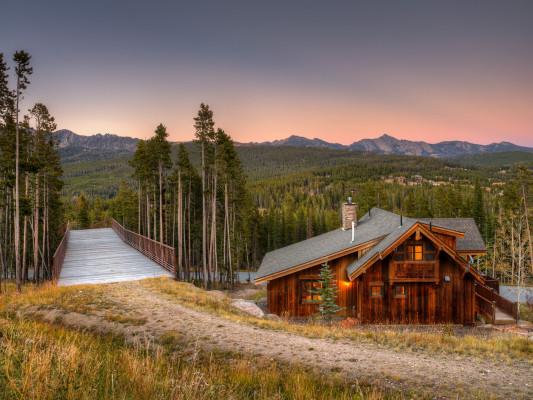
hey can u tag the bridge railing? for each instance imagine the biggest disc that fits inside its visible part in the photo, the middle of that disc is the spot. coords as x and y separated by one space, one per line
161 253
59 255
499 301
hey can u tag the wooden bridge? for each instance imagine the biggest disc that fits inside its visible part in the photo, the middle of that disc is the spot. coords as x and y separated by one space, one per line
110 255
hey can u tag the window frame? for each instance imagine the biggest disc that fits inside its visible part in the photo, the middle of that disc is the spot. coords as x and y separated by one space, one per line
304 290
410 251
379 285
401 295
415 252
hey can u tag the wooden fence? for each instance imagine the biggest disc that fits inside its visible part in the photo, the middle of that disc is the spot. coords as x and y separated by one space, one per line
59 254
161 253
487 294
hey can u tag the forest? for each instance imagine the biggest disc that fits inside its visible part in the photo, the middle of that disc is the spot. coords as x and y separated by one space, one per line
31 212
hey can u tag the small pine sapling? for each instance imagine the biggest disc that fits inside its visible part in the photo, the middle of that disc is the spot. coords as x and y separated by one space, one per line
328 306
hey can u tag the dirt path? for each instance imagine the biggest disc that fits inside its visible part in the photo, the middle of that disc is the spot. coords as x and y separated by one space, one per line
442 376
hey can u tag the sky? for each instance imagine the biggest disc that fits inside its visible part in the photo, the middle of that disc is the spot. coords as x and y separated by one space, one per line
339 70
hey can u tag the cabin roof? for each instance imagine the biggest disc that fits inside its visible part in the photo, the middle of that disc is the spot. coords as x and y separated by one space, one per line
472 240
381 246
377 224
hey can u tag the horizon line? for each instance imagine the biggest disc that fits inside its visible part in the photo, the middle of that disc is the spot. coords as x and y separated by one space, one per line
308 138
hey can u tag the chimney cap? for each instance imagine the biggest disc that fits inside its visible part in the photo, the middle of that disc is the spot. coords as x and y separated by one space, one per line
349 199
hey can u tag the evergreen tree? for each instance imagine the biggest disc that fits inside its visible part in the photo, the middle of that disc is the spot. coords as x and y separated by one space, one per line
204 126
22 71
83 212
328 291
159 148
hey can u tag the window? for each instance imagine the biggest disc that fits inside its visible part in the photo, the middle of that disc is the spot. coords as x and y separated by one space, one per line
415 252
376 290
308 288
429 252
399 291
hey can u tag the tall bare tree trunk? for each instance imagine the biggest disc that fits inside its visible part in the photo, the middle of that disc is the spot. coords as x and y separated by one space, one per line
512 251
214 261
189 254
155 215
36 231
519 266
149 232
204 222
18 275
173 202
139 194
49 254
526 215
227 222
180 226
25 233
43 259
161 226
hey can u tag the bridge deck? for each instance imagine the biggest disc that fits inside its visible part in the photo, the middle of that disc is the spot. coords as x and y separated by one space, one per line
100 256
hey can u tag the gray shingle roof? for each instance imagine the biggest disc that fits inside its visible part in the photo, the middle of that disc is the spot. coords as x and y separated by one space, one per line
472 239
378 224
374 225
381 246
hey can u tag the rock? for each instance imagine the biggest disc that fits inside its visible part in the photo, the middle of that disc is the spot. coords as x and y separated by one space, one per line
272 317
262 304
249 307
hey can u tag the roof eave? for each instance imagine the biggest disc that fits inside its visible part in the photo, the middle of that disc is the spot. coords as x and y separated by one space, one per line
317 261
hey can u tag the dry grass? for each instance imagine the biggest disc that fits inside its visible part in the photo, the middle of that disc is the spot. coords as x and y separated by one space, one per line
43 361
440 340
257 295
526 312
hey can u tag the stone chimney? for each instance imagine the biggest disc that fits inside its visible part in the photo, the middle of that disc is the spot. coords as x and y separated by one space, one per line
349 214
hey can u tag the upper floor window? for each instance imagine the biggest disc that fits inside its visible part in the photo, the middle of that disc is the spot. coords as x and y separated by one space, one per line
415 251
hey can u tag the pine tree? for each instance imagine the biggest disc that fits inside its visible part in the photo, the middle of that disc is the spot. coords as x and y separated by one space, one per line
83 212
159 147
205 133
328 291
22 71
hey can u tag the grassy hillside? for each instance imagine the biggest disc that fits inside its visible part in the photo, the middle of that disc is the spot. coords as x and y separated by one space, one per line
40 360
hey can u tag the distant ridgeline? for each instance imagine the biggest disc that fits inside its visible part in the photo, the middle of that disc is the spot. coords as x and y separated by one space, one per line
97 164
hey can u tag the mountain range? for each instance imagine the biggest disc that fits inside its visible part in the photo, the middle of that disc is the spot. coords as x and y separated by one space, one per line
387 144
100 146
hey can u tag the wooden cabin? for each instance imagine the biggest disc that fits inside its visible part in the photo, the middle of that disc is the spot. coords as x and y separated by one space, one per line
388 268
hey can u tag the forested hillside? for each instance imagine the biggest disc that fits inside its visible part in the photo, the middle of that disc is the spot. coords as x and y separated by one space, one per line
102 173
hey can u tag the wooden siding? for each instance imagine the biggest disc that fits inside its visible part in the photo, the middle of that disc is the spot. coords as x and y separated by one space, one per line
284 293
450 241
447 298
